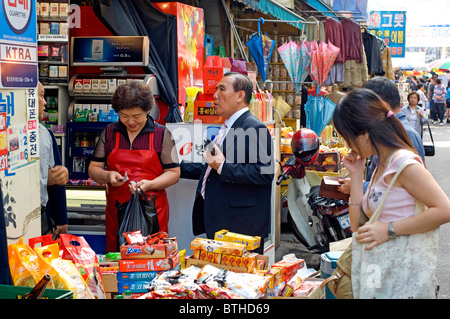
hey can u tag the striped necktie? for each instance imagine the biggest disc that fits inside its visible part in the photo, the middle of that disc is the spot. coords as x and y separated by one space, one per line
217 141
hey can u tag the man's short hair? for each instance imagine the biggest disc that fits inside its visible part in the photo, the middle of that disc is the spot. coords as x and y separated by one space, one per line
386 89
242 83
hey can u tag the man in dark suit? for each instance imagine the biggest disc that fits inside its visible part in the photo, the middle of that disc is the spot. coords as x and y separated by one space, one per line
235 183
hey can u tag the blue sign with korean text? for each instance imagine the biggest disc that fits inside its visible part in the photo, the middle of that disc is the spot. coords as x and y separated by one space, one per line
18 44
390 26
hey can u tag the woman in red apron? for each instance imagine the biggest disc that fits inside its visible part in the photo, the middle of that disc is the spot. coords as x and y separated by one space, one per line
138 147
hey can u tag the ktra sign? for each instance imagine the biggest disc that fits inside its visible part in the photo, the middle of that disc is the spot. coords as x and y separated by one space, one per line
18 48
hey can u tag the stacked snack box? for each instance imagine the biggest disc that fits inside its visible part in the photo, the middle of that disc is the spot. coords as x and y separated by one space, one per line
144 258
226 254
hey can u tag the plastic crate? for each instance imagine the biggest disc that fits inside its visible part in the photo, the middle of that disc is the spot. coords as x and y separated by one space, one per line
15 292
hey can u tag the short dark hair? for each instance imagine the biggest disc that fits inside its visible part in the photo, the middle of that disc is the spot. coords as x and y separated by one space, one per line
132 94
242 83
438 81
420 85
386 89
361 111
413 93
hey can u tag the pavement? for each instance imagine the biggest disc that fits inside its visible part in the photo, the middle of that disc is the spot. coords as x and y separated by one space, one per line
438 165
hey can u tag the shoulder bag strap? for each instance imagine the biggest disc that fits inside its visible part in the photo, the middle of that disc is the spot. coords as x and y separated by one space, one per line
377 212
431 135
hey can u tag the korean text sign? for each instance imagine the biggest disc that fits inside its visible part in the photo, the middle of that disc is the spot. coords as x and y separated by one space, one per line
390 26
18 52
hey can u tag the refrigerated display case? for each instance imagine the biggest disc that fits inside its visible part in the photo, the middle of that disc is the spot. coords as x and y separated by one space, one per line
81 141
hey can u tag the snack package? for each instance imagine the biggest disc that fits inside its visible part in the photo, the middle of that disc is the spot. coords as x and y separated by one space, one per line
78 250
250 242
215 246
68 276
27 269
293 284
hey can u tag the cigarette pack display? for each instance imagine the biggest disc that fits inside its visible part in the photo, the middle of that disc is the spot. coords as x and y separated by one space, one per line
44 9
87 84
78 86
44 28
103 88
54 9
95 89
131 265
112 85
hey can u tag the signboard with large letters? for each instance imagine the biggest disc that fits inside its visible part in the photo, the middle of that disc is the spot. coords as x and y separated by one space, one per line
18 48
390 26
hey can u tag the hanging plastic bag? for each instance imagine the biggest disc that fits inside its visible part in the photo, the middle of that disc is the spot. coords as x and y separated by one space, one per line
81 254
139 214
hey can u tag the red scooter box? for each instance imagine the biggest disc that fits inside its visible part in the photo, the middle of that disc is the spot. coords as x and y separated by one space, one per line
161 250
152 264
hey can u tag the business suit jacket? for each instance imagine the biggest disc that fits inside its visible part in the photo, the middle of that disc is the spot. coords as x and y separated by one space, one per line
239 198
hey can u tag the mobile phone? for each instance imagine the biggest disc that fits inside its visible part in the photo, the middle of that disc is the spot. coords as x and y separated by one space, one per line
209 145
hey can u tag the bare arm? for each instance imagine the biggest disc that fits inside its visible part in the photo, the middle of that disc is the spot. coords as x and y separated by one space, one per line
419 182
98 173
169 177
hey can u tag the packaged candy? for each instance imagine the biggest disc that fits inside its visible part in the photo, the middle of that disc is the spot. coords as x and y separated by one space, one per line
81 254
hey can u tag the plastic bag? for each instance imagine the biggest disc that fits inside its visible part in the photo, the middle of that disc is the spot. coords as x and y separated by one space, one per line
78 250
68 276
27 269
139 214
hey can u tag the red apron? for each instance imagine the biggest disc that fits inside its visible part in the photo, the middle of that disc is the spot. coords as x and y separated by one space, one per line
138 164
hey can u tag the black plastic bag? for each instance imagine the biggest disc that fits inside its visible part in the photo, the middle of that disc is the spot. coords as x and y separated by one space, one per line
138 213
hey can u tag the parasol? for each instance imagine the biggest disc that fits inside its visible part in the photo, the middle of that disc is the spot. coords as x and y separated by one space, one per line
319 111
297 60
441 64
260 48
323 56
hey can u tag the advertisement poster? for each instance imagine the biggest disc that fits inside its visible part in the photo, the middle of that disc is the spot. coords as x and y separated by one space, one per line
32 124
3 143
18 146
108 51
18 48
390 26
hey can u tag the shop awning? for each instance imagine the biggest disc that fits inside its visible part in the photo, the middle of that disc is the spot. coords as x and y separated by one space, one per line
322 7
274 9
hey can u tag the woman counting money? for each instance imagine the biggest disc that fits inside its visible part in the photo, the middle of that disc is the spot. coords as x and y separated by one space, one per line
134 149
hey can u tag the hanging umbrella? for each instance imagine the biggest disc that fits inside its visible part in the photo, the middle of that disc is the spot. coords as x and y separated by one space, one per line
441 64
260 47
323 56
297 60
319 111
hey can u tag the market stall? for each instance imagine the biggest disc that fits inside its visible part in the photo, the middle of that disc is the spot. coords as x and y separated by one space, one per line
153 267
183 77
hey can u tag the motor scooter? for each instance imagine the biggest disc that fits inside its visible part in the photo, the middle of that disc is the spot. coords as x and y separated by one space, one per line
315 221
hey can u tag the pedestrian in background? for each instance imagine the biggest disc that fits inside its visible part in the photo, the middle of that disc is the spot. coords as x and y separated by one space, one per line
433 113
422 97
439 94
447 103
414 113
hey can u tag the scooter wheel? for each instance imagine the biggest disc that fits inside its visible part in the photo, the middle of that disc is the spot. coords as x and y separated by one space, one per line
295 230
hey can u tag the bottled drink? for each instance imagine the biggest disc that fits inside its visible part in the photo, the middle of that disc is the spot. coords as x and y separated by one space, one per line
38 290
